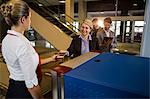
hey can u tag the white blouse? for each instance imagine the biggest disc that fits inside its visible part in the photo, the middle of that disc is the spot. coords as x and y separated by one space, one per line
21 58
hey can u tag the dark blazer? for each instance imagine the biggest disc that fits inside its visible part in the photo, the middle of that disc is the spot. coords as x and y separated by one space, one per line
75 46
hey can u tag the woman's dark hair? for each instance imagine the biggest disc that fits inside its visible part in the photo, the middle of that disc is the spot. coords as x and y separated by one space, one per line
14 10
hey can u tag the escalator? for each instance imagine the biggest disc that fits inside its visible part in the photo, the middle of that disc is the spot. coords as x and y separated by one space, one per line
51 27
4 80
50 32
54 18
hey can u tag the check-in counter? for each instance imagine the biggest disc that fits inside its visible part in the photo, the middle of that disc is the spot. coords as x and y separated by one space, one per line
99 76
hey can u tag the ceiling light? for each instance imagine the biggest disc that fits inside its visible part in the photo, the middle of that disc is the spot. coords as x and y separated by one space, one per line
101 12
62 14
135 4
67 23
40 4
62 1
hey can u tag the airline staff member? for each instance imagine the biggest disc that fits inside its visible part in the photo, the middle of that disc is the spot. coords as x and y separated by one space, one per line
21 58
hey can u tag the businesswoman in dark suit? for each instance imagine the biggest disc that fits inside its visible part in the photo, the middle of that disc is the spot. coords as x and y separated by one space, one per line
84 42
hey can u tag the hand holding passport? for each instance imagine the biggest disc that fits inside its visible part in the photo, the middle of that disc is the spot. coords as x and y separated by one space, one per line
61 54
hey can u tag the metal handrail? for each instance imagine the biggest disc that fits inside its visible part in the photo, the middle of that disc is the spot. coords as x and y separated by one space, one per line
62 12
47 9
3 86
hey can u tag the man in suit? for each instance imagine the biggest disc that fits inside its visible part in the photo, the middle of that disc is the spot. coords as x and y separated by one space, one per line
111 42
96 27
84 42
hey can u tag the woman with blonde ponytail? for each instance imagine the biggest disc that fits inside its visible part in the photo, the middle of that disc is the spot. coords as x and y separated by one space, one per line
21 58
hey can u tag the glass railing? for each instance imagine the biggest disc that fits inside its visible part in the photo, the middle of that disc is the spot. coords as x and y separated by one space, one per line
62 18
48 13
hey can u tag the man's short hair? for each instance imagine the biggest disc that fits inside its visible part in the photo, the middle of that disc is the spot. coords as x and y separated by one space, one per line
108 19
95 19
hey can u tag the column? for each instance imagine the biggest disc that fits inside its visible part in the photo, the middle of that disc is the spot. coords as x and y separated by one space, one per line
69 10
82 9
124 32
132 32
145 45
